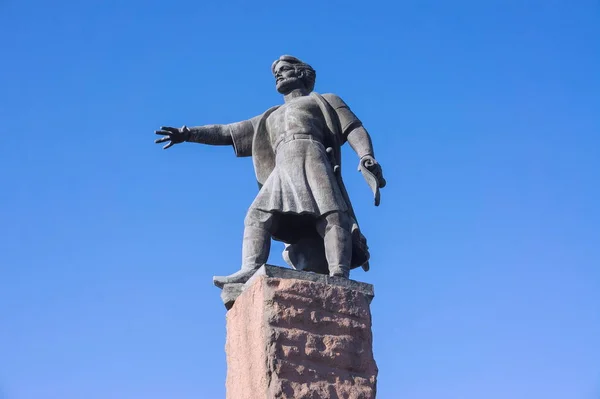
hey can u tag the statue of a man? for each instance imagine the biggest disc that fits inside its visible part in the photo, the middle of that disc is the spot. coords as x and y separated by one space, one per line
302 200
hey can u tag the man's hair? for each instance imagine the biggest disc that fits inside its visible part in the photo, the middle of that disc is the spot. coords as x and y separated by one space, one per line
309 74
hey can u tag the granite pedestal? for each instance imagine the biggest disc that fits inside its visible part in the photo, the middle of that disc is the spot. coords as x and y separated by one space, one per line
293 334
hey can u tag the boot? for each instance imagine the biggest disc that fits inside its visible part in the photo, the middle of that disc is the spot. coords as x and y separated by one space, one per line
338 251
255 252
339 271
239 277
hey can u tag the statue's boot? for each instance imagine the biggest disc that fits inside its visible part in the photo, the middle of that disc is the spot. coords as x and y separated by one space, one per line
338 251
239 277
255 252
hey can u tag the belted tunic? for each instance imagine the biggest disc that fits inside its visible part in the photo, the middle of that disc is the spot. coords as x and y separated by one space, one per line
294 169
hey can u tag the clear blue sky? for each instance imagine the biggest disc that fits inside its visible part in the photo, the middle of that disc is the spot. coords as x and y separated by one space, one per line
486 247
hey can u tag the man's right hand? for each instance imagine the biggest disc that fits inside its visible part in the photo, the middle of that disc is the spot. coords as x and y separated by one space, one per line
173 135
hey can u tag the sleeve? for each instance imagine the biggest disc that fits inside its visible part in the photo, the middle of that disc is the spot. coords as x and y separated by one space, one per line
348 121
242 134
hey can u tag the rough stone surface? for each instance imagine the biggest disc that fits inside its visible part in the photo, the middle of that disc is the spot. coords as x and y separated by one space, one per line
300 339
232 291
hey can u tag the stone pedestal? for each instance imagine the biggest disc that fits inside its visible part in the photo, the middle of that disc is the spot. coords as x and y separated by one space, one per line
300 335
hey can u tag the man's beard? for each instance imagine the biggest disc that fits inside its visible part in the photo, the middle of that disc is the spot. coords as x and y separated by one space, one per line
289 84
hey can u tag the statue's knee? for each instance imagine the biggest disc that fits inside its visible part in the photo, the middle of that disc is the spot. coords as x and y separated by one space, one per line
260 219
340 219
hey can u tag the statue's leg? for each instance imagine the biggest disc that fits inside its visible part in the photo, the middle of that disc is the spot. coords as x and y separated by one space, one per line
255 246
335 229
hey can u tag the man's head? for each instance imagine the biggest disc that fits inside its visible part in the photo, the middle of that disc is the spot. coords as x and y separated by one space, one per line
291 73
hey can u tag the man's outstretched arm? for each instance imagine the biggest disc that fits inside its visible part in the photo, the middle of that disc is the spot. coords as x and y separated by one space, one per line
238 134
210 134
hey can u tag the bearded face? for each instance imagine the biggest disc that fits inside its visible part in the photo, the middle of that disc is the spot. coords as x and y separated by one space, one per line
287 78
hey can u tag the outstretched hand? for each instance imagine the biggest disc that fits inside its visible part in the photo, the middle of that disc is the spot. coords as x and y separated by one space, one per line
374 167
173 135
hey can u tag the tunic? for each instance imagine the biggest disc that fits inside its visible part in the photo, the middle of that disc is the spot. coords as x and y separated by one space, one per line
302 181
295 173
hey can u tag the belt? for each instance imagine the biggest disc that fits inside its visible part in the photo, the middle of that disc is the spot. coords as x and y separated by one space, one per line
294 136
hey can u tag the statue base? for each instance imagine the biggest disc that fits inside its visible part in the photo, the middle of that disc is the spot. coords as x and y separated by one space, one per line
294 334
